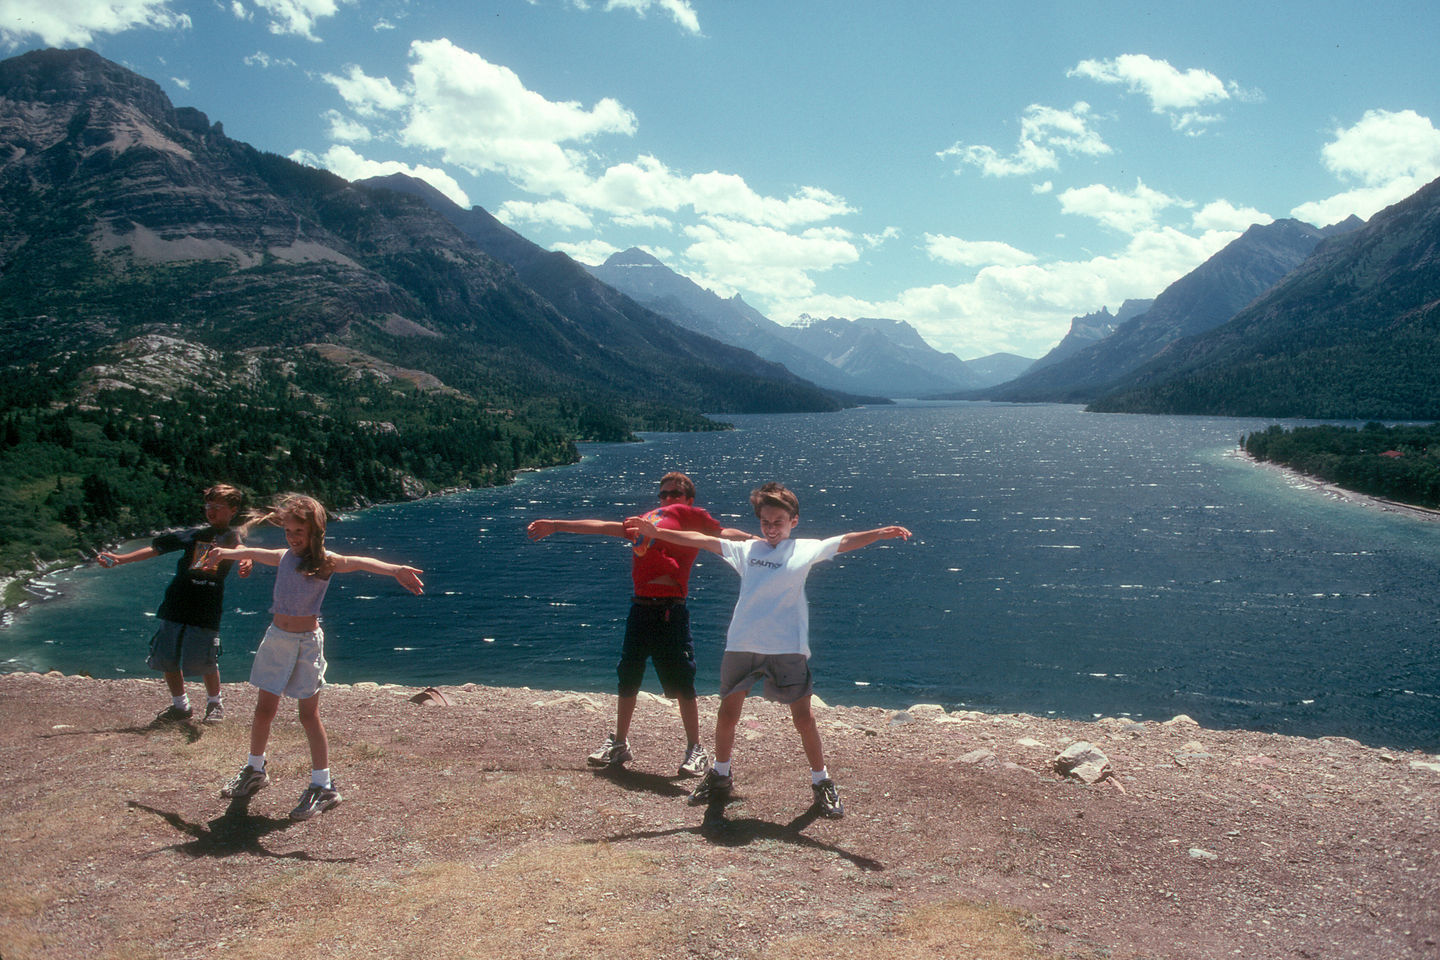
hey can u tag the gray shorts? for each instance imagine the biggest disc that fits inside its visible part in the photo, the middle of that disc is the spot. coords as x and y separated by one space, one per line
290 664
786 675
182 648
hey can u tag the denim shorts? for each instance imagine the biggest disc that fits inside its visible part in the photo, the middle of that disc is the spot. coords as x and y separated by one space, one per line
290 664
786 675
180 647
659 632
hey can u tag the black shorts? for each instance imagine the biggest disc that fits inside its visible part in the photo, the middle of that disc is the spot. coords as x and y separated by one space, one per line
658 632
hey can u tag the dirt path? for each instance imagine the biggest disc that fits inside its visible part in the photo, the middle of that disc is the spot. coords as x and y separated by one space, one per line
477 830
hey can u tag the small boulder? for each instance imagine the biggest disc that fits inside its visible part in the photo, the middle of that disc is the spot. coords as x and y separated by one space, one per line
1083 761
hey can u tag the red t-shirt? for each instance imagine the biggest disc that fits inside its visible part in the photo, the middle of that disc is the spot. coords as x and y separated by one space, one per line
658 558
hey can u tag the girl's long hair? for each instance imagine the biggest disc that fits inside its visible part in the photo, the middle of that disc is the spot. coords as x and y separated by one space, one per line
314 562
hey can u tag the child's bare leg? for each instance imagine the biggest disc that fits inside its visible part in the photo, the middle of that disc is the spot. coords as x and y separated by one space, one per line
315 733
212 682
175 680
624 711
725 723
809 732
690 718
266 704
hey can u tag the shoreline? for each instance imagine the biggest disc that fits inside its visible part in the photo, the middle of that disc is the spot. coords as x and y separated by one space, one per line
1345 494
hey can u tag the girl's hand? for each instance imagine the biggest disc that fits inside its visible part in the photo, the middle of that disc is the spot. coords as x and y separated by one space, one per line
409 578
210 561
244 567
540 529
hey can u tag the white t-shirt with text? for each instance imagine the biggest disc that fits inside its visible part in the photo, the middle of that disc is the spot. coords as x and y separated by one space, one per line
772 615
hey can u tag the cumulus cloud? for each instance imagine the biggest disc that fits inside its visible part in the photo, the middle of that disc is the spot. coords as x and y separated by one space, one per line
345 129
1044 133
678 10
555 213
591 252
1127 212
297 17
770 262
974 253
1173 93
1389 154
1026 308
75 22
346 162
366 95
1224 215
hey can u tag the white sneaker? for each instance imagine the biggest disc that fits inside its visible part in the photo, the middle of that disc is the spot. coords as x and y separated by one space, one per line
696 761
612 753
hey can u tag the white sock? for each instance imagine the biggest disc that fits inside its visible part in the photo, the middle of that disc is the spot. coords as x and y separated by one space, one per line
256 763
817 775
214 699
722 769
181 702
320 778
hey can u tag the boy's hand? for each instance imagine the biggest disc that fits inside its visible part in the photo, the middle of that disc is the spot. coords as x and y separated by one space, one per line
107 560
894 533
637 527
409 578
243 568
540 529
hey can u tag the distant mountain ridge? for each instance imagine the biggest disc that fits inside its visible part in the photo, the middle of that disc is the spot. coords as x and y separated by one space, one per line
1204 298
1352 333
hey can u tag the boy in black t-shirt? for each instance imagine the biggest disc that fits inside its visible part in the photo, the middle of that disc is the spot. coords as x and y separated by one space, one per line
188 641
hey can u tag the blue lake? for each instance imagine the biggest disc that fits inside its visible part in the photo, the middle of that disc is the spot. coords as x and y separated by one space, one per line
1064 563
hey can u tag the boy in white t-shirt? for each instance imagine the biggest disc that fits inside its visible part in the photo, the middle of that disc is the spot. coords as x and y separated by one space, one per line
769 636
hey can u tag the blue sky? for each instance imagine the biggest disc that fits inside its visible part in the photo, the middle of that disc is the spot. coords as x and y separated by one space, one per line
983 171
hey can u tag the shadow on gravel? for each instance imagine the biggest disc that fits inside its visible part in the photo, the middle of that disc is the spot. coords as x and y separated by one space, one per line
746 830
235 831
643 782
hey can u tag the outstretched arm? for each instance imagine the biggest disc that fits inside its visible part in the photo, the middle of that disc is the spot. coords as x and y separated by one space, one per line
108 559
730 533
637 527
540 529
863 538
213 557
407 577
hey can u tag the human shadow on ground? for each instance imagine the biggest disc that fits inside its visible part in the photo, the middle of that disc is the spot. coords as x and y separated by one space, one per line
638 782
740 832
190 730
236 831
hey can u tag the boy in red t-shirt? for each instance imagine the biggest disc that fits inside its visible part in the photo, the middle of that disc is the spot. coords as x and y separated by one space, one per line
658 628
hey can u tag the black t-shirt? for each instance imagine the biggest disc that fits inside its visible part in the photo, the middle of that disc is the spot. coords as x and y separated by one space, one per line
195 597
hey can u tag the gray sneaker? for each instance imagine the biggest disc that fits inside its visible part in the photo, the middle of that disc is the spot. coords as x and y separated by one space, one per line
246 782
696 761
612 753
173 715
713 789
315 800
214 713
827 799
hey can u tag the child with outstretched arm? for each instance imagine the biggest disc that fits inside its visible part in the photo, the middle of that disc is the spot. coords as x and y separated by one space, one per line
187 642
291 658
769 632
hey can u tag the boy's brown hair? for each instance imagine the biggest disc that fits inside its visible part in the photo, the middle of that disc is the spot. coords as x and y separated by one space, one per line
232 497
680 480
775 495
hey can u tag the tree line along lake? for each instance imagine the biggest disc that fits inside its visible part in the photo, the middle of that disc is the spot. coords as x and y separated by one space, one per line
1064 563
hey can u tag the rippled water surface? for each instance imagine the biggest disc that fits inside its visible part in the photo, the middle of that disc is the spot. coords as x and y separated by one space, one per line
1064 562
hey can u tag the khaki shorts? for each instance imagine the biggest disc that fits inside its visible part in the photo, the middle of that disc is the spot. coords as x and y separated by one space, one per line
182 648
786 675
290 664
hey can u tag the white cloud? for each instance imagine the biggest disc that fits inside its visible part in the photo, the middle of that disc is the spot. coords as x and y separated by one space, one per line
60 23
1223 215
1171 92
974 253
1127 212
592 252
366 95
1043 132
1025 308
345 162
346 130
555 213
264 61
298 17
762 259
678 10
180 82
1390 154
644 221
